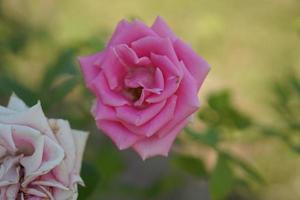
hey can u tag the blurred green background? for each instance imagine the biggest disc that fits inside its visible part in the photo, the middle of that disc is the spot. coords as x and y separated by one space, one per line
245 141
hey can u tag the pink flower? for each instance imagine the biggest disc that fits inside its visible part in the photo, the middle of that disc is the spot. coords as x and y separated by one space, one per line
39 158
146 82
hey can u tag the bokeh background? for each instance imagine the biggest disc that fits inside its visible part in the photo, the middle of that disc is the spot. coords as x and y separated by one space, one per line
245 141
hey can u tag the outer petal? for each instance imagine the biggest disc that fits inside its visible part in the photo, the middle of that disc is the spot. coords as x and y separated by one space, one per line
15 103
162 29
196 65
101 111
63 134
187 103
155 145
120 135
91 66
80 138
113 69
37 120
126 33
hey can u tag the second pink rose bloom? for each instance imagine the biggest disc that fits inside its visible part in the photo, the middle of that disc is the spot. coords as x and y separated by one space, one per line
146 83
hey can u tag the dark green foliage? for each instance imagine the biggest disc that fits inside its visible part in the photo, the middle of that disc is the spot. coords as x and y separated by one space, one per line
92 178
194 166
222 117
222 179
285 106
221 112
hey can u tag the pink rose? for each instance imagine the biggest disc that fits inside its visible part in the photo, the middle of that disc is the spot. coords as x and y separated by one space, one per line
39 158
146 82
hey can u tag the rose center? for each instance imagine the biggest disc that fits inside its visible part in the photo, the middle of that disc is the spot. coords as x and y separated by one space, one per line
136 80
134 93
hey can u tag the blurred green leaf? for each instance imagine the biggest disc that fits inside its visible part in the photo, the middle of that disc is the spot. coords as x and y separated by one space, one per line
246 167
59 92
165 184
192 165
209 137
91 178
110 164
222 179
64 64
222 113
8 86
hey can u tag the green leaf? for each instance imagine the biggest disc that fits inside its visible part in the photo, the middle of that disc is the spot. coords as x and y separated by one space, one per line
59 92
209 137
192 165
8 86
91 178
222 179
64 64
247 168
110 164
223 113
163 185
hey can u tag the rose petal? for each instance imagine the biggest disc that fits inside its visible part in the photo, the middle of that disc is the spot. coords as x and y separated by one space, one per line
101 111
120 135
64 136
173 76
100 87
136 116
162 29
187 102
196 65
90 66
153 125
37 119
126 33
161 46
155 145
16 104
80 138
128 57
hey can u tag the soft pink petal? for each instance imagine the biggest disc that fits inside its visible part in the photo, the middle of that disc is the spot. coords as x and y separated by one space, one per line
162 29
120 135
155 145
187 102
196 65
172 78
6 139
161 46
128 57
100 87
90 66
37 120
101 111
126 33
137 116
52 157
113 69
9 171
80 138
65 138
16 103
156 123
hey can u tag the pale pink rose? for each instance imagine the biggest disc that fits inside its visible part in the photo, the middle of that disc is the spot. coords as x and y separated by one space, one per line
146 82
40 158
